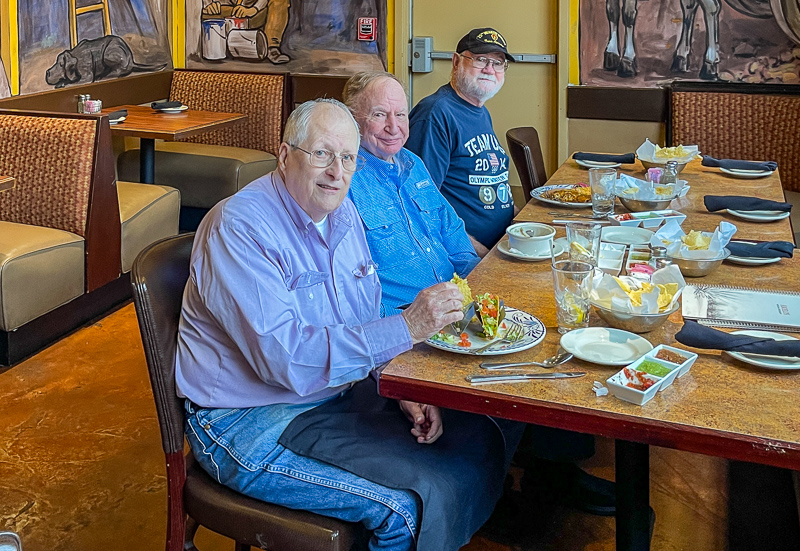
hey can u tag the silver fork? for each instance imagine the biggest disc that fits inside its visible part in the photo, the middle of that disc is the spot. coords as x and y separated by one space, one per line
513 334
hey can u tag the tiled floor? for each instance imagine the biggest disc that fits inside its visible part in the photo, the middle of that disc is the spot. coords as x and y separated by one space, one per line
81 466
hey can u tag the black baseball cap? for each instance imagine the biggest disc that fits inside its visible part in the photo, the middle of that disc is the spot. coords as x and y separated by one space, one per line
484 41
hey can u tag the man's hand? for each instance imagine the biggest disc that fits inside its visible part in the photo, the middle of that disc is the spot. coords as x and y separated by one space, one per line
479 248
433 308
427 421
241 11
212 9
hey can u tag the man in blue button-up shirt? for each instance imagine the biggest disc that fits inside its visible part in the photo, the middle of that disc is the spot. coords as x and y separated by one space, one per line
415 236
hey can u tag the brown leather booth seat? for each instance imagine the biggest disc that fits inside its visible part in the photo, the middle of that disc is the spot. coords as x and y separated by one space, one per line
66 235
212 166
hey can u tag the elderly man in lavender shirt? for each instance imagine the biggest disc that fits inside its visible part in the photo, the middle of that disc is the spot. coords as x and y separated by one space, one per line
281 316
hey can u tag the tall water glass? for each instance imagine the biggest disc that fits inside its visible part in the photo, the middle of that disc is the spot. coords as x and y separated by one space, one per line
572 283
584 241
602 182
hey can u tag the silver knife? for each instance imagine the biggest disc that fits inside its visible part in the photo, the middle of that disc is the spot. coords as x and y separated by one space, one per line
514 377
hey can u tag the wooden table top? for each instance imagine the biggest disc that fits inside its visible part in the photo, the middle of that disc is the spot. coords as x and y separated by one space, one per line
145 122
721 407
7 182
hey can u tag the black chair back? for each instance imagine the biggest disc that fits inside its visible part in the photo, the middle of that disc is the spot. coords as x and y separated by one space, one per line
526 152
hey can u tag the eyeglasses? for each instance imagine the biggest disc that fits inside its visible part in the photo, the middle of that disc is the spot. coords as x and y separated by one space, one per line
322 158
483 62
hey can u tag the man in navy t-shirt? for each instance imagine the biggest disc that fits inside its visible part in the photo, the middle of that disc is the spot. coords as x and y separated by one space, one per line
452 132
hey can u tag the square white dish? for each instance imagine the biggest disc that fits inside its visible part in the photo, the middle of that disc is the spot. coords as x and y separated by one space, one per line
684 367
616 385
611 258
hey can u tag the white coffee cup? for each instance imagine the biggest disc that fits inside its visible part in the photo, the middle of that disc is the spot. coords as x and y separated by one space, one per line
531 238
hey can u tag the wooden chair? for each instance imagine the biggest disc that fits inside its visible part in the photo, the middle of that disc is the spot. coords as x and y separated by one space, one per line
526 151
159 275
739 121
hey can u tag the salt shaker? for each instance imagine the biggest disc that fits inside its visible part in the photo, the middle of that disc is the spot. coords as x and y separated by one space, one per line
670 175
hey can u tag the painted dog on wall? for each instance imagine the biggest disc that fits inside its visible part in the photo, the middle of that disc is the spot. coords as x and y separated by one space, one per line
91 60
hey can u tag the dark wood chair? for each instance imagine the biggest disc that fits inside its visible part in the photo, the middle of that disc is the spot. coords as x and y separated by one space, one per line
159 276
526 152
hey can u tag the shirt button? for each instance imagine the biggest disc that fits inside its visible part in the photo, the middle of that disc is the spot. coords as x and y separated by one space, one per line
207 426
428 249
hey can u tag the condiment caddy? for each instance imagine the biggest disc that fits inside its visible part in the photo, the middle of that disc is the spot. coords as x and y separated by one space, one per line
639 382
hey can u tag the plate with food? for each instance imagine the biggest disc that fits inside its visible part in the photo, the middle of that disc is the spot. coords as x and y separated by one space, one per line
597 164
565 195
625 235
740 173
760 215
764 360
605 346
474 336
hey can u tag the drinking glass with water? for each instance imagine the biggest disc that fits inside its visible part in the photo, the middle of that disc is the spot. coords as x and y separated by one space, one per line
602 182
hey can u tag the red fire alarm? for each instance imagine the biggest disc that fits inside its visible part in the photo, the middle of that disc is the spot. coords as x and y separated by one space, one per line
367 28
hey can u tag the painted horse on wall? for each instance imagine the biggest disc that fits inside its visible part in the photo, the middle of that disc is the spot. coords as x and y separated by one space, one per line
623 63
784 11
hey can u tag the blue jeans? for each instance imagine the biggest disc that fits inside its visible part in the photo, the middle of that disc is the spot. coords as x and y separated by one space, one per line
239 448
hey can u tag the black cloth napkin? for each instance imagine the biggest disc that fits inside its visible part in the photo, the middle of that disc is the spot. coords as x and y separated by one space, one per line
114 115
739 202
734 164
699 336
770 249
626 159
165 104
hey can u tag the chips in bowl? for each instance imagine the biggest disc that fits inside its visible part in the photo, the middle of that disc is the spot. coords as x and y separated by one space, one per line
696 240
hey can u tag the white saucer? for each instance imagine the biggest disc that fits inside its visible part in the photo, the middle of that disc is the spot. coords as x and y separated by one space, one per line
116 121
503 247
763 360
605 346
739 173
597 164
173 110
625 235
751 260
760 215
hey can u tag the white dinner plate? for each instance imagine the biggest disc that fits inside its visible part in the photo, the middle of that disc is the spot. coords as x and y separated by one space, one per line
173 110
505 248
751 260
538 194
605 346
763 360
626 235
534 334
739 173
597 164
760 215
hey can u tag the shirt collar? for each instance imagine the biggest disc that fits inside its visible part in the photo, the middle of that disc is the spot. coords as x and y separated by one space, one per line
299 217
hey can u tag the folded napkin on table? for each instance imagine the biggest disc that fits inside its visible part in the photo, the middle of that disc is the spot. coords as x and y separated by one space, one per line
770 249
734 164
114 115
739 202
626 159
699 336
166 104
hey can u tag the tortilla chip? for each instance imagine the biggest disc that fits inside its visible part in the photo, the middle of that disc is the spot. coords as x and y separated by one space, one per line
696 241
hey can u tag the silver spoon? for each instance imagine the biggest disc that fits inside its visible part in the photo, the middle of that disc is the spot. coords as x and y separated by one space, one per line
562 356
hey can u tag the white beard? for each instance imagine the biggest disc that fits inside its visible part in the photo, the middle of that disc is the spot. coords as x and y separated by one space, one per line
470 87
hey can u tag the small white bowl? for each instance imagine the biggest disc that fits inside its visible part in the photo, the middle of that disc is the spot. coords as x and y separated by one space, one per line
683 368
531 238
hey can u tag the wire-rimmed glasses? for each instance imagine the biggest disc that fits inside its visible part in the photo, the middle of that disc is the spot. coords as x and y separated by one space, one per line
482 62
322 158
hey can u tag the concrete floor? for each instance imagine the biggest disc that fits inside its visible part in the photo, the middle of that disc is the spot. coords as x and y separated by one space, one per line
81 466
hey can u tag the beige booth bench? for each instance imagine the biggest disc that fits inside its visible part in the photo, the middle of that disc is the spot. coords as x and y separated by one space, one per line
68 235
210 167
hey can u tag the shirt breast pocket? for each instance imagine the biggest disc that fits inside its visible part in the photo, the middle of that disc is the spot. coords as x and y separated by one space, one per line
432 210
387 236
369 298
308 291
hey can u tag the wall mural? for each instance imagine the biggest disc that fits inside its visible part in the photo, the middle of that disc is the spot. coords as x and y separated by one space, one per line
645 42
102 39
319 37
